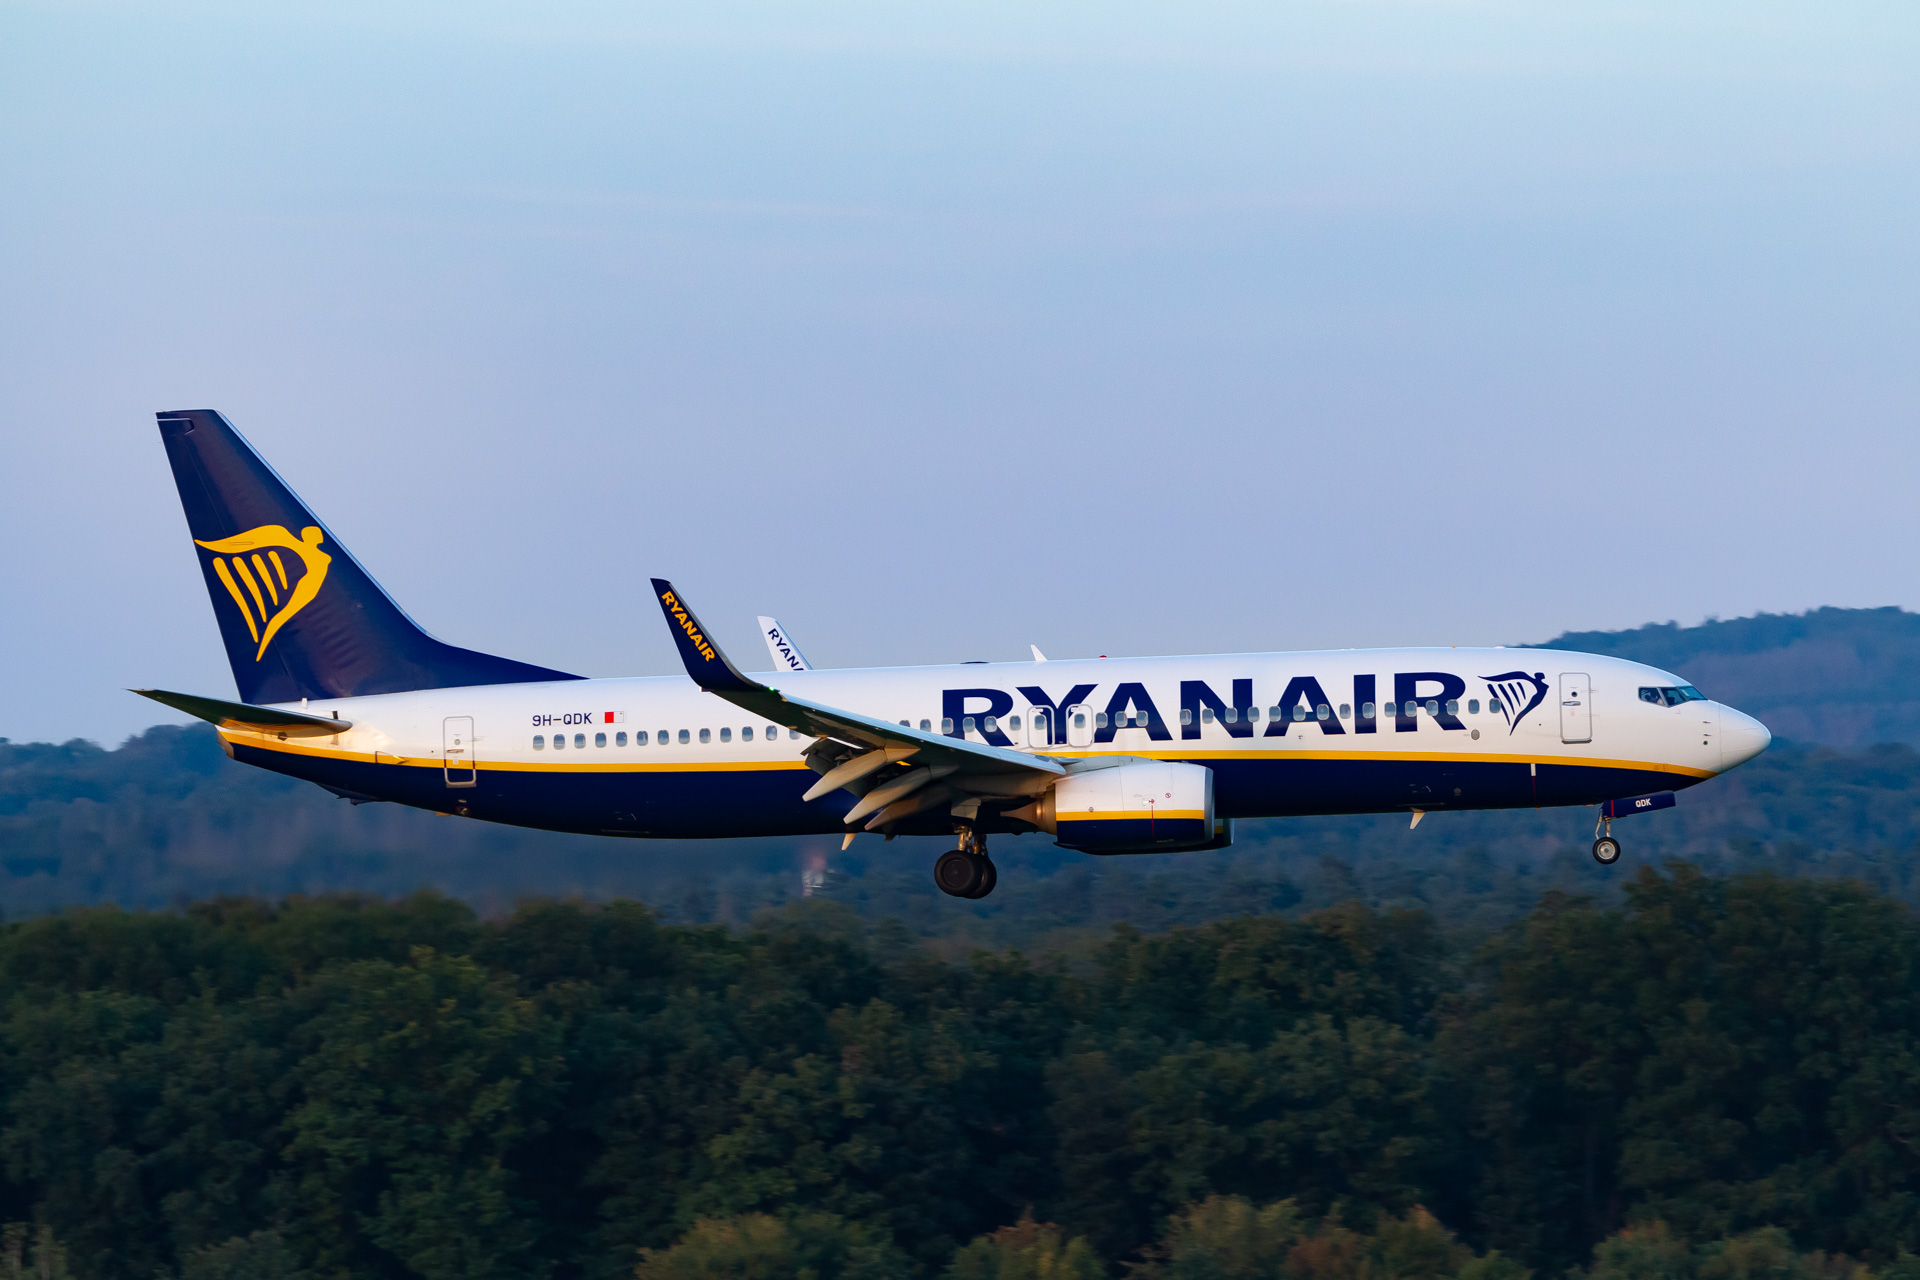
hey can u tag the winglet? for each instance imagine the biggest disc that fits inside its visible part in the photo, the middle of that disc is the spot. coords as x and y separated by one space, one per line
786 654
704 661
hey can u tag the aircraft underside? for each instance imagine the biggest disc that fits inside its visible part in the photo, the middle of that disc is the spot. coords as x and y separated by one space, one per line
686 804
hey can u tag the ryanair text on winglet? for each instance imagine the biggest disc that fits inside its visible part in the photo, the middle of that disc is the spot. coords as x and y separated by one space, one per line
685 620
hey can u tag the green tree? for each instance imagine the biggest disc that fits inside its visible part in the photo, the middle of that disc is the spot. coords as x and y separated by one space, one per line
1225 1238
759 1246
419 1083
1028 1250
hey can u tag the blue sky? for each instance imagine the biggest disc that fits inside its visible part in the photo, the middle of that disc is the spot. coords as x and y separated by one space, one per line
941 329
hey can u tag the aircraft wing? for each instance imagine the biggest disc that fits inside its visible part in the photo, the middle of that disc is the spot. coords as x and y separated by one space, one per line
955 759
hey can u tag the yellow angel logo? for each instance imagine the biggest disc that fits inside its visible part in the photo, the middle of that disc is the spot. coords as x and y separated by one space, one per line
253 558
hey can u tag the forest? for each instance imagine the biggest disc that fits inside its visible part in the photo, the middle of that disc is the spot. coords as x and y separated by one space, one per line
1711 1076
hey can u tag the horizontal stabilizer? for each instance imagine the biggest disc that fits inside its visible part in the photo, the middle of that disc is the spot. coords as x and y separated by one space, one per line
240 715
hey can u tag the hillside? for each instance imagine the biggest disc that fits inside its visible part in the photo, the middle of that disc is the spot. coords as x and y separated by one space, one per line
1837 677
167 818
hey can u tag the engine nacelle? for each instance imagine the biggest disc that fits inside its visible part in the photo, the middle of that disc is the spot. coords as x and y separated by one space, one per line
1144 806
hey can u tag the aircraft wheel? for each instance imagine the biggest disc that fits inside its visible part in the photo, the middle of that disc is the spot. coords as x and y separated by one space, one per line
960 874
989 876
1606 851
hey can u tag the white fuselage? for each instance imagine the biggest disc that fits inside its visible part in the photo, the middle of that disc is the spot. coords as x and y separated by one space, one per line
1284 733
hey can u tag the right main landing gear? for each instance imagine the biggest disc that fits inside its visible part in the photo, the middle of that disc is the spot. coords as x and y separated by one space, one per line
966 872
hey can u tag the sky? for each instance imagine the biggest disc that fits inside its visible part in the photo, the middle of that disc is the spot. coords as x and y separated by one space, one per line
937 329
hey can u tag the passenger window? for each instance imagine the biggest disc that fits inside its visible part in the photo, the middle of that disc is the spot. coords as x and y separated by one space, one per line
793 733
1473 706
966 725
726 735
1253 713
1493 706
580 742
1099 719
684 738
1276 712
926 726
559 742
1346 711
706 735
619 739
990 725
1206 715
1453 706
1186 715
1231 715
1366 711
539 742
639 737
946 725
1079 719
599 739
1433 707
1299 711
1322 711
746 734
1013 723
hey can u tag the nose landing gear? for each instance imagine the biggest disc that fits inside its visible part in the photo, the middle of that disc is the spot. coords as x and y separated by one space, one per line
966 872
1606 850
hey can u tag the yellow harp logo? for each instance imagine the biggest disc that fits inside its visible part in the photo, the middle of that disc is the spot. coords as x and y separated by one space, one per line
251 568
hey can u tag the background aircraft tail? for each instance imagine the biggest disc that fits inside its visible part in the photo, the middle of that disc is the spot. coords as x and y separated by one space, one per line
300 617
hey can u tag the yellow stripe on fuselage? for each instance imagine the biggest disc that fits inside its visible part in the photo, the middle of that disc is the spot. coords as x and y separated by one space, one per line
269 743
1135 815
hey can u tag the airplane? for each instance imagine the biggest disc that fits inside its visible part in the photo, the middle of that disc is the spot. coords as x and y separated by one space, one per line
338 686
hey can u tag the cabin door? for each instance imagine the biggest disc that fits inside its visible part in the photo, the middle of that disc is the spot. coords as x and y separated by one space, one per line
457 749
1079 725
1576 713
1040 727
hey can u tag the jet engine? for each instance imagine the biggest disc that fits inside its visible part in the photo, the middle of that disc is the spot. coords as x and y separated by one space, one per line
1141 806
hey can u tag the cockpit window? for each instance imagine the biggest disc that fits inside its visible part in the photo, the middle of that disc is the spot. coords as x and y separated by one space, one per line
1671 696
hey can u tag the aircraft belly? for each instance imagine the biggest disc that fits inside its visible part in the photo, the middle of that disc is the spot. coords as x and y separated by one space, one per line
677 804
1314 787
721 803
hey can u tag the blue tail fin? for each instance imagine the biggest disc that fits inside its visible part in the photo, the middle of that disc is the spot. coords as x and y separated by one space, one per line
300 617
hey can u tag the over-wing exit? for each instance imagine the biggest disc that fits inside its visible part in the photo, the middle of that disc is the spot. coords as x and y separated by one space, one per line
338 686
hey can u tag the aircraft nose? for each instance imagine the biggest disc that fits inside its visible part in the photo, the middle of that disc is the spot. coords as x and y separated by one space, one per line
1741 737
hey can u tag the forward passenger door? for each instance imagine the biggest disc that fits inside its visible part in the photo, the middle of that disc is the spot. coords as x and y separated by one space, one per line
1576 711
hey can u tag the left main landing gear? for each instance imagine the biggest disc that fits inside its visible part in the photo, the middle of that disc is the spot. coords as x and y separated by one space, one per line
1606 850
966 872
